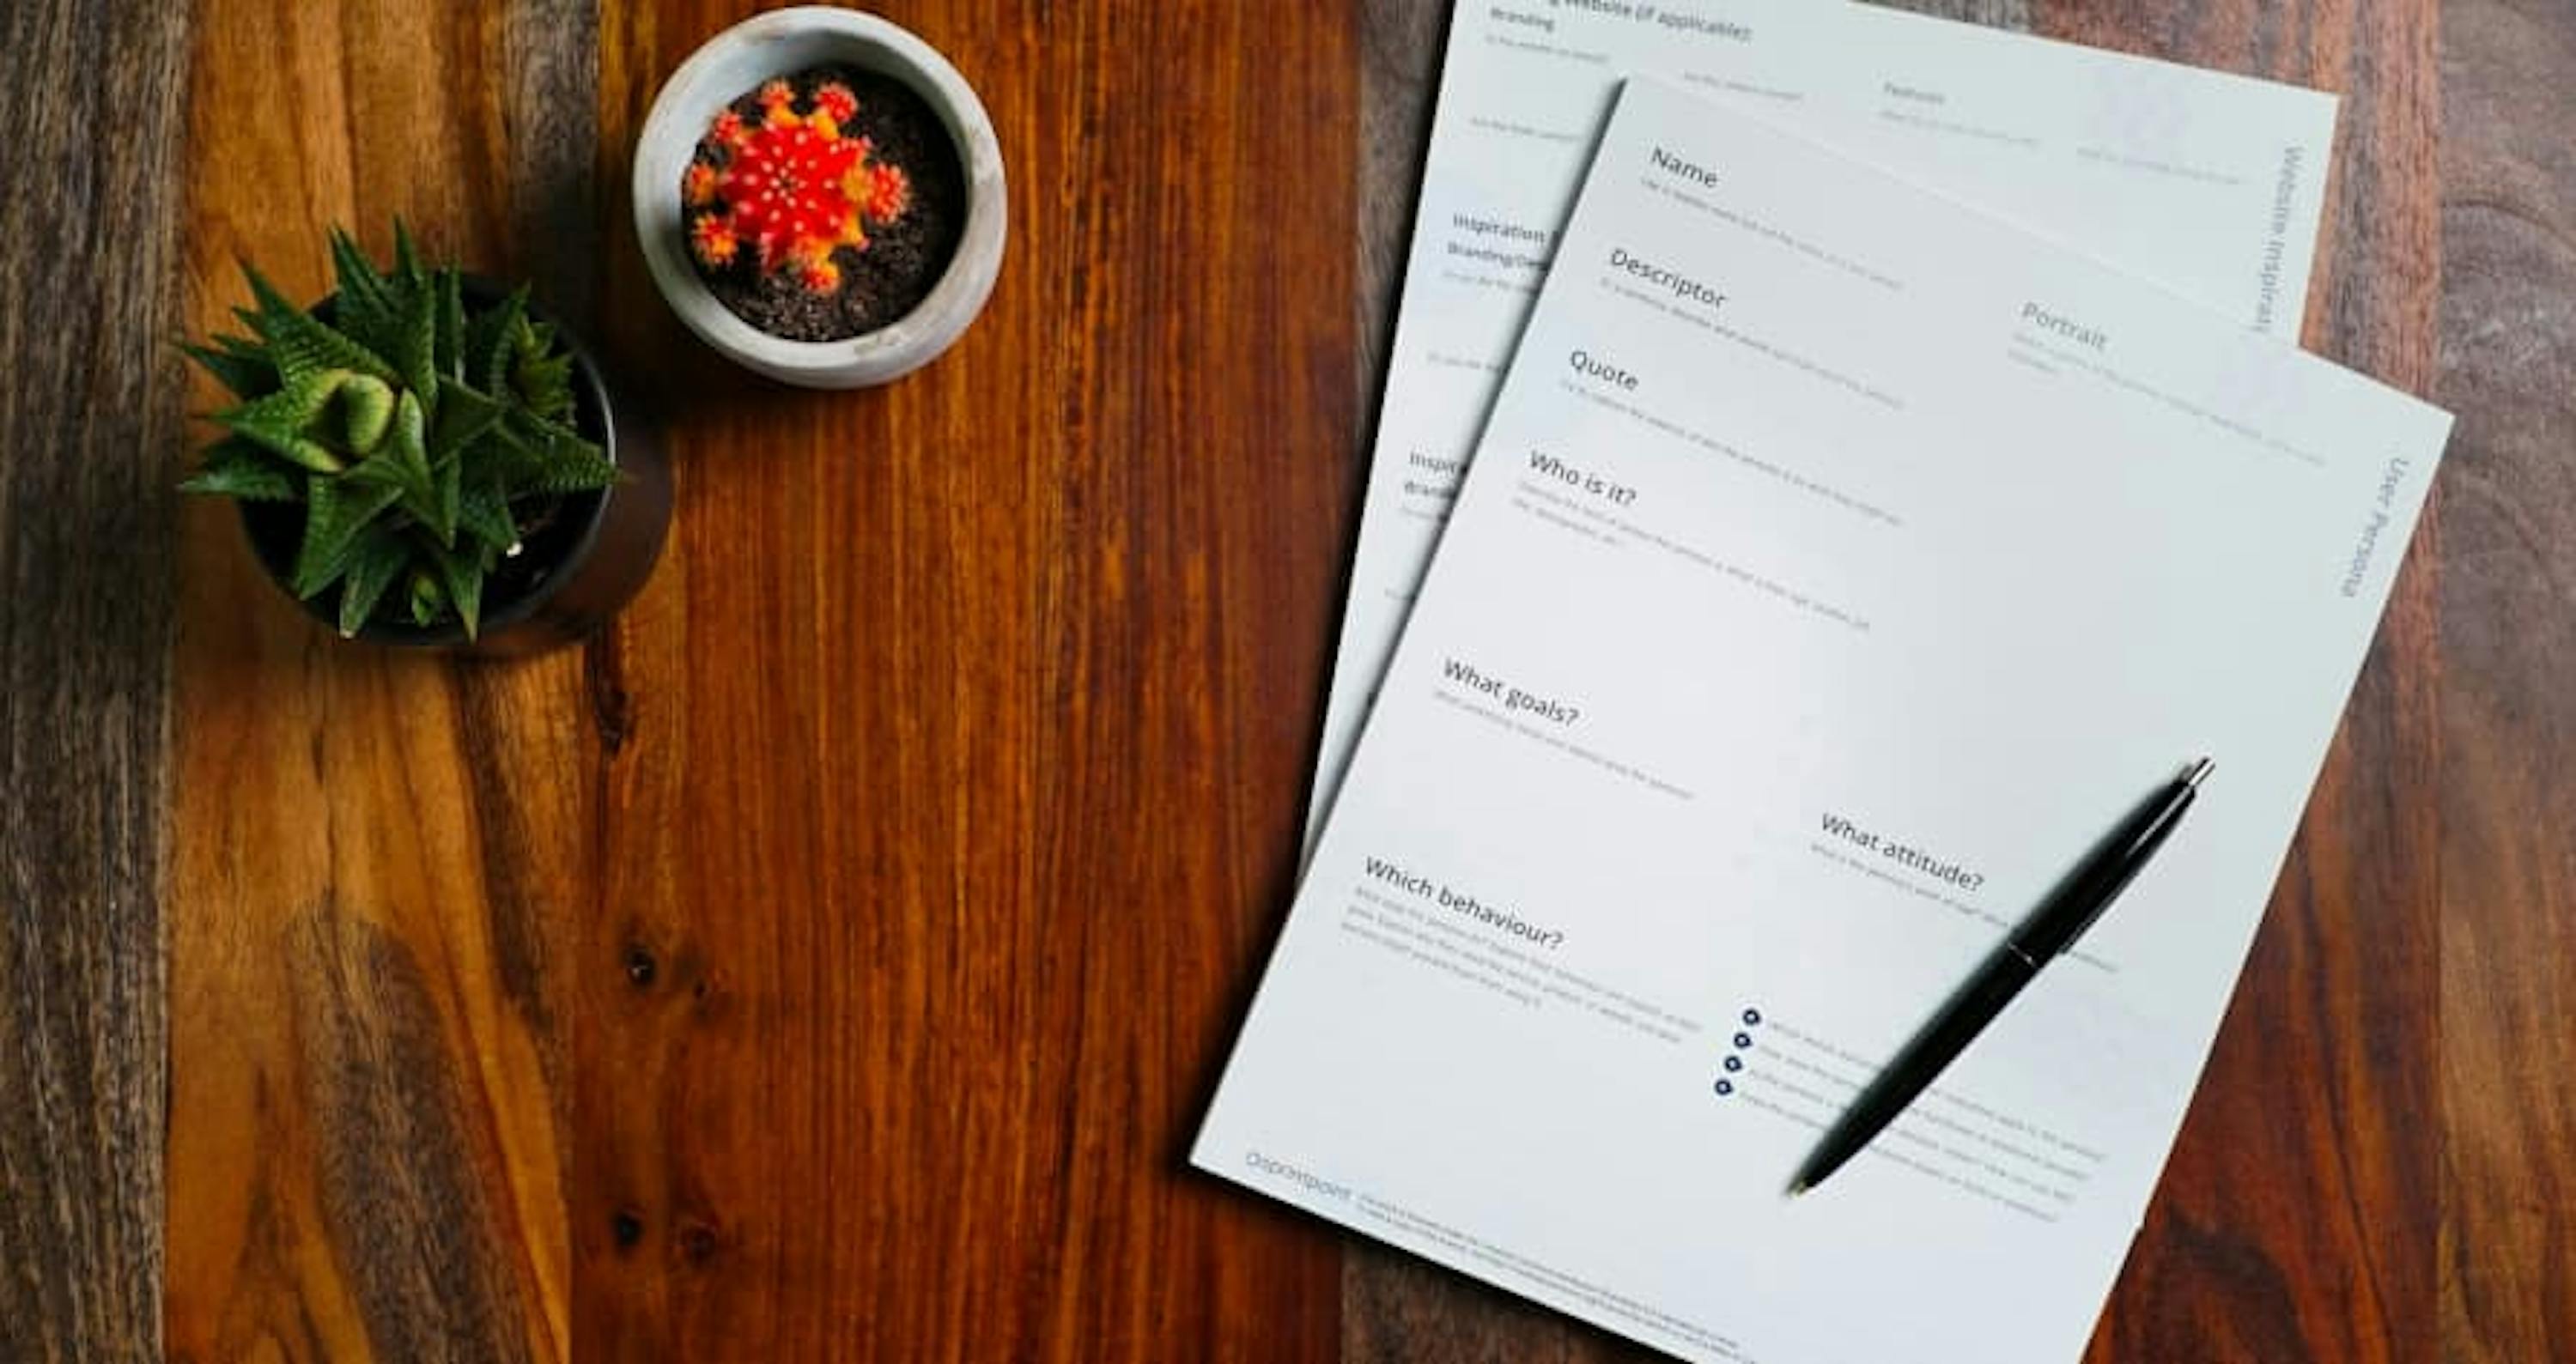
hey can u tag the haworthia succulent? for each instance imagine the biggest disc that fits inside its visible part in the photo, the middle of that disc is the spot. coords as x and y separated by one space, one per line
419 433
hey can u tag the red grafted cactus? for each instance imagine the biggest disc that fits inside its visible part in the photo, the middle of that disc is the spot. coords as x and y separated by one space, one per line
791 189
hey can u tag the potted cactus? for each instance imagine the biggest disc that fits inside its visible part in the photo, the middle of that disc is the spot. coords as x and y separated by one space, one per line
779 194
820 197
423 459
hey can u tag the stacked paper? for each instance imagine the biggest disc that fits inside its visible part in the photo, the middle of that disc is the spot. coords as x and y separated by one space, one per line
1828 560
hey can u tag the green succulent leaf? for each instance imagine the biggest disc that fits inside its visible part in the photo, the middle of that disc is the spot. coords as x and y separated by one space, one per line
427 493
300 344
307 347
378 558
463 417
577 472
244 470
236 364
416 350
484 513
449 353
283 421
543 382
427 599
407 268
364 305
387 468
447 501
246 348
409 437
490 341
370 408
461 574
352 274
549 461
544 435
339 509
513 454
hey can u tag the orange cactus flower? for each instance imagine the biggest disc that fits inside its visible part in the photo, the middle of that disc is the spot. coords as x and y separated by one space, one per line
888 191
814 267
713 240
778 105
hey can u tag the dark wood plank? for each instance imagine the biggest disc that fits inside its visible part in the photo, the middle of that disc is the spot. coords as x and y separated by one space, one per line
1400 45
380 860
2508 615
2007 14
964 730
89 416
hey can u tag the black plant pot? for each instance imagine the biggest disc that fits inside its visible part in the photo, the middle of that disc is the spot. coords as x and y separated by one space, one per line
587 560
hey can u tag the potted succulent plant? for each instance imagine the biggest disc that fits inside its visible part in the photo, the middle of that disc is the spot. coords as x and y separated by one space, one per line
820 197
424 459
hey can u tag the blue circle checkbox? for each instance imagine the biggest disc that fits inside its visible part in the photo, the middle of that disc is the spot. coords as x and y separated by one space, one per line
1735 1063
1743 1039
1753 1018
1725 1086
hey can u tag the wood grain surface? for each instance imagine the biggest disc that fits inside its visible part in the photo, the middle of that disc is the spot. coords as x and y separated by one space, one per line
89 404
381 860
2507 648
962 738
831 961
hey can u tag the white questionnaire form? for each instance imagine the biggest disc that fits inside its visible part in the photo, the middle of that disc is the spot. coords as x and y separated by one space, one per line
2211 184
1838 565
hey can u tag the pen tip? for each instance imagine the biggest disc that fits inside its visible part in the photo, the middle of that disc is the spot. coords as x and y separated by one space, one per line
2199 769
1798 1187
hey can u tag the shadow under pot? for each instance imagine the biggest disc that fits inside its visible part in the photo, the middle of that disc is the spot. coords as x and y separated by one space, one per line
579 560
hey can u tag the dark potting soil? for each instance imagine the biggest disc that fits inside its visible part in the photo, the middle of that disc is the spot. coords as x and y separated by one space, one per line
902 260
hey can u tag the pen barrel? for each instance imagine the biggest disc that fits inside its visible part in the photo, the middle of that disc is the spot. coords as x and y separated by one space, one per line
2087 891
1965 1014
1920 1061
2079 899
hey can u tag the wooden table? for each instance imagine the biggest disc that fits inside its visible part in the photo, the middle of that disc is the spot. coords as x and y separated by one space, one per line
830 962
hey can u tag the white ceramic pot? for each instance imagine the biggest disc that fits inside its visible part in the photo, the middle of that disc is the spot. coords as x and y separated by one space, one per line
782 43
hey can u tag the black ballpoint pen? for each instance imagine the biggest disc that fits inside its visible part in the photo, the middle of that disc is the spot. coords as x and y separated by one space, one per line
2051 929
